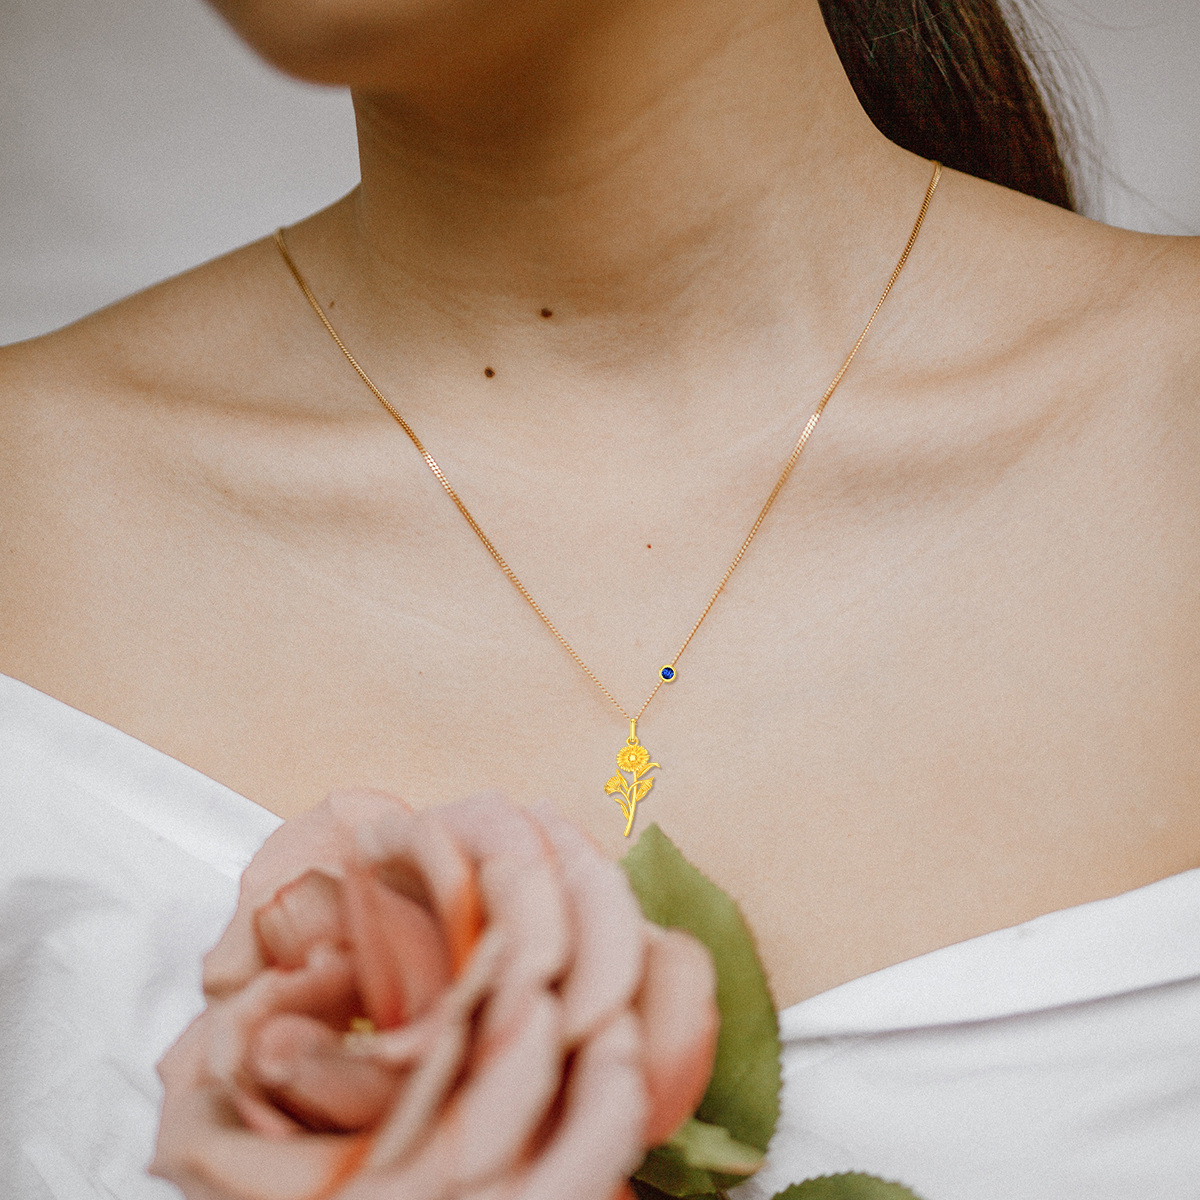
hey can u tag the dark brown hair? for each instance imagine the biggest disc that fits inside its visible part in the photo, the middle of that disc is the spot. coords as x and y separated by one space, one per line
954 80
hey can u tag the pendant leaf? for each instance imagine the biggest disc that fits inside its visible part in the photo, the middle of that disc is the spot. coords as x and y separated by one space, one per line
743 1094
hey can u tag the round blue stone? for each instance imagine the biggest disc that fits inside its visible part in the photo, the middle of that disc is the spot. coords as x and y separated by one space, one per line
667 674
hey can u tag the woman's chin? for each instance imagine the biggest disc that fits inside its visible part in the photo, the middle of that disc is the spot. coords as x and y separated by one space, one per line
371 44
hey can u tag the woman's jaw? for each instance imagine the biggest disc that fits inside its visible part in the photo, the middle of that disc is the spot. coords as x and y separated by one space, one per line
389 45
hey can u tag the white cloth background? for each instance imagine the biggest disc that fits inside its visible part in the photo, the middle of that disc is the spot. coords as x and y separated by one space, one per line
138 137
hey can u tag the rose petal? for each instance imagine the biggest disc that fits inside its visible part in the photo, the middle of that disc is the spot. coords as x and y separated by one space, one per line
428 1175
321 839
421 1099
524 900
260 1116
202 1153
496 1189
521 891
399 953
678 1010
598 1142
608 928
448 873
457 1003
305 1068
300 914
507 1092
488 826
448 1046
396 1047
323 987
242 1165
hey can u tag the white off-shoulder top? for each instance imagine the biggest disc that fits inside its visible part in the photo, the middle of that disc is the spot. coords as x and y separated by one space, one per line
1056 1060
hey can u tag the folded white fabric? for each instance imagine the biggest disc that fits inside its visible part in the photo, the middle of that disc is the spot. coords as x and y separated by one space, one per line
1056 1060
118 868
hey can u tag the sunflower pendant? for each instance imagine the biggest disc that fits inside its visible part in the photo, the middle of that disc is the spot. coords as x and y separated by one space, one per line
633 759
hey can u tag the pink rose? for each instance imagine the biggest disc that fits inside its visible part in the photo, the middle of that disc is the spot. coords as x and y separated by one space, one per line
459 1003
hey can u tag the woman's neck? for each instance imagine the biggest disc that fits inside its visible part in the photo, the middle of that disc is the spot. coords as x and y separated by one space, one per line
656 175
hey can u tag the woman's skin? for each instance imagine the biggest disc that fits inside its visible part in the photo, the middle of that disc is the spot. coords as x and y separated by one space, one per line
954 684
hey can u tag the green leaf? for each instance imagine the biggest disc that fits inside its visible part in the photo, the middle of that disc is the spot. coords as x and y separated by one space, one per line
647 1191
743 1094
846 1187
664 1168
711 1148
699 1160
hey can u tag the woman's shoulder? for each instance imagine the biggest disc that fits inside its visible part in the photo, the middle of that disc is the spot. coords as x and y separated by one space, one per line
191 337
1026 284
195 363
1148 287
150 420
1141 326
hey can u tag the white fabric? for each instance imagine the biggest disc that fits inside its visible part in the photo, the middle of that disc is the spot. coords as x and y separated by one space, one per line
1057 1060
118 868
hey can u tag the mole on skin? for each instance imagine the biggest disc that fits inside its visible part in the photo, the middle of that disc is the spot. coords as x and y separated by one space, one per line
488 372
547 313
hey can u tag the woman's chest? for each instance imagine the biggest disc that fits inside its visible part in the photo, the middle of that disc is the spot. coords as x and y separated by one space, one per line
917 712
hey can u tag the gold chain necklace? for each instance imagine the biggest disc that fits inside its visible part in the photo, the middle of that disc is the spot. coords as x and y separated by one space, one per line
632 759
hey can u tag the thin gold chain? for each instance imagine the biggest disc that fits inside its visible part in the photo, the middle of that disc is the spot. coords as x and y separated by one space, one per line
511 575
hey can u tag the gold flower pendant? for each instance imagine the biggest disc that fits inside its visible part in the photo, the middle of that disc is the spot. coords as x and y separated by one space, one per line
632 759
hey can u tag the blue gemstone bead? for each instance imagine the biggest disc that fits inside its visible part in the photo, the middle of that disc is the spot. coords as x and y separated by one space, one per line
667 673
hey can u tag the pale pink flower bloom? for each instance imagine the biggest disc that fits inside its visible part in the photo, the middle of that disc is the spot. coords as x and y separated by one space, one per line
530 1034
